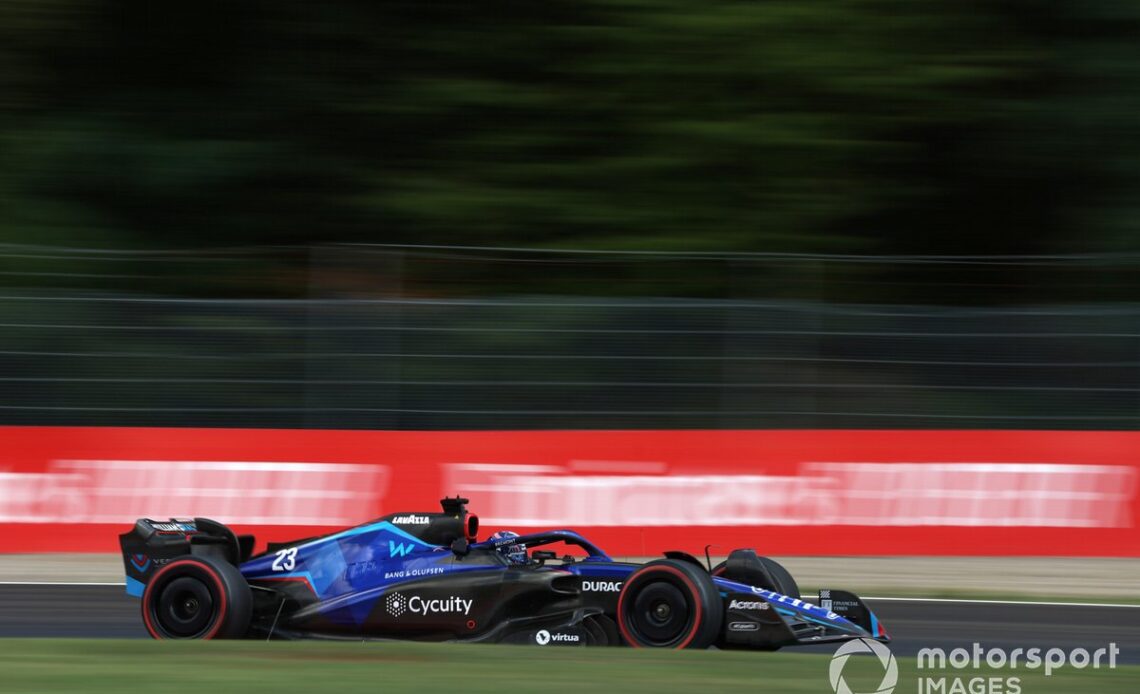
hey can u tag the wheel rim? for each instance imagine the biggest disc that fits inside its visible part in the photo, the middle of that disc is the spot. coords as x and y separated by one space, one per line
185 608
660 615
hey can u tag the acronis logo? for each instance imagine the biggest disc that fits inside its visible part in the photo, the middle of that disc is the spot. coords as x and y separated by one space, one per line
399 549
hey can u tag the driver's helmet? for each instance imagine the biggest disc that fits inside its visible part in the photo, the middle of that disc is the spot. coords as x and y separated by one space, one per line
514 552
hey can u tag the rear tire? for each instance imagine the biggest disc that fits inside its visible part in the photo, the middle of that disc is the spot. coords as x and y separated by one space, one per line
670 604
200 597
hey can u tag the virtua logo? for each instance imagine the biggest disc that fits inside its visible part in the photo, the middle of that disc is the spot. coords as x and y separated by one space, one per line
410 520
601 586
399 549
747 605
544 637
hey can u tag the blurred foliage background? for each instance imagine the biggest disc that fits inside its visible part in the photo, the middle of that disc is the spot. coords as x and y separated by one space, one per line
838 213
939 127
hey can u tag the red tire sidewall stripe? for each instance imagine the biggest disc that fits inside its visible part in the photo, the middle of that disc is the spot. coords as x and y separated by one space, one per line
694 594
220 591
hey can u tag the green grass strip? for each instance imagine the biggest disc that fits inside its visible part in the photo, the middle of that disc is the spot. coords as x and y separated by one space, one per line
34 666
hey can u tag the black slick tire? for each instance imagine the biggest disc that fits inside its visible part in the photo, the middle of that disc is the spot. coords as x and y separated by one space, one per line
669 604
197 597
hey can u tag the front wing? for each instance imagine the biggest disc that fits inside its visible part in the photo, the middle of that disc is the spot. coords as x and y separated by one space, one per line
759 618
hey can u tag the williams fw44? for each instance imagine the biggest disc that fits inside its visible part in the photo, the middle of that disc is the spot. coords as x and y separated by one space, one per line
426 576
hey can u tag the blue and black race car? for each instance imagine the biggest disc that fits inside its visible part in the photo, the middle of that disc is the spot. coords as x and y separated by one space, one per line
425 576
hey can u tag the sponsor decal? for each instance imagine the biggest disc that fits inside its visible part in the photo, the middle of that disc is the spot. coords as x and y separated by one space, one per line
359 568
410 520
141 562
748 605
399 549
775 597
414 573
826 601
601 586
398 604
544 637
174 527
743 626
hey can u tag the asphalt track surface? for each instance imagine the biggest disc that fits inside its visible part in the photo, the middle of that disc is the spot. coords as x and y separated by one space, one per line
106 611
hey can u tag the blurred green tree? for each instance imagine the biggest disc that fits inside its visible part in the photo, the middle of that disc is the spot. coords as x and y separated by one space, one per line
836 126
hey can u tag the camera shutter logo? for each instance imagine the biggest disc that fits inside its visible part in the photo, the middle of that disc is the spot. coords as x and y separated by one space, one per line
886 658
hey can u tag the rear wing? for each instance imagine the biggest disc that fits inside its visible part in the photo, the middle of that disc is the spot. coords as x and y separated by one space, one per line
154 543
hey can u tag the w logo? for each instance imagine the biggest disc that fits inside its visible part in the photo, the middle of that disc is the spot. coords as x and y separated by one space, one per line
399 550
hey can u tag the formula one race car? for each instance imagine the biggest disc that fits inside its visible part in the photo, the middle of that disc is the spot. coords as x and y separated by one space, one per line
423 576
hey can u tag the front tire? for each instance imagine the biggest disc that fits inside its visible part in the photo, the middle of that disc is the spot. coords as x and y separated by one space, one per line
669 604
197 598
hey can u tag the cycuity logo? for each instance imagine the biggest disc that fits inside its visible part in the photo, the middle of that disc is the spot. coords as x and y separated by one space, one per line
397 604
886 658
399 549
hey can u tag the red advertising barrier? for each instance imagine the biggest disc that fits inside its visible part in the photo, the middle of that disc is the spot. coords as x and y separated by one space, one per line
821 492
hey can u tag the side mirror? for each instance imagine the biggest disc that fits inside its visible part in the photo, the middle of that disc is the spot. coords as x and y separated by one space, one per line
460 547
542 556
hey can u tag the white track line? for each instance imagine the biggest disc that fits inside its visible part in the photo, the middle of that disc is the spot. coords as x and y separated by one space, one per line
1005 602
878 599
